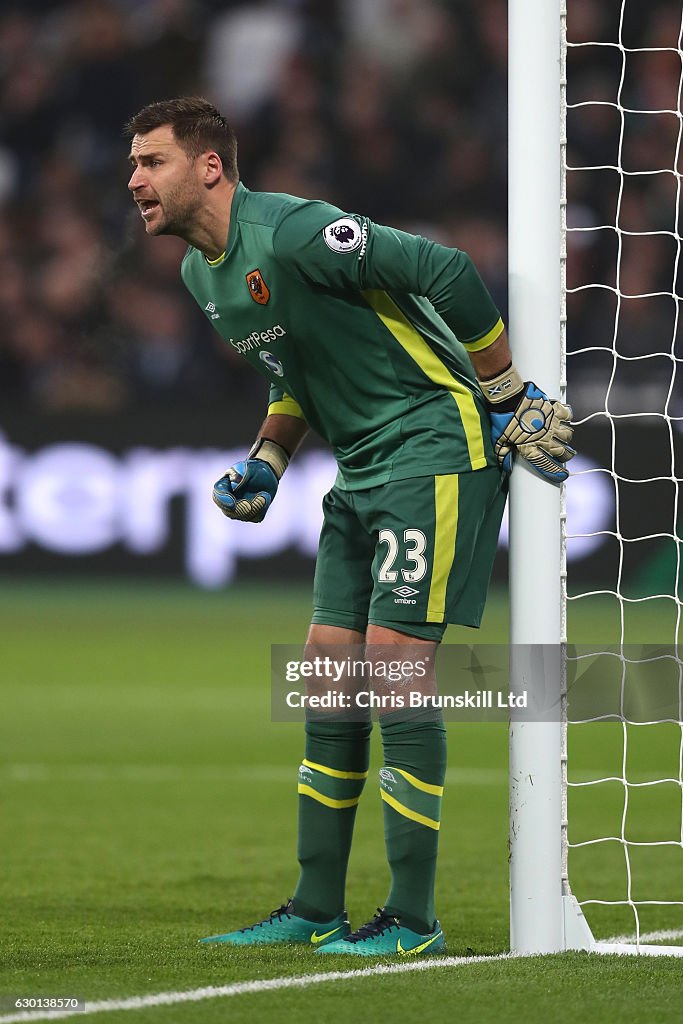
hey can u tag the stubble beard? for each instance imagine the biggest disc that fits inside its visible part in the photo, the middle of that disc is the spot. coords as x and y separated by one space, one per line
178 210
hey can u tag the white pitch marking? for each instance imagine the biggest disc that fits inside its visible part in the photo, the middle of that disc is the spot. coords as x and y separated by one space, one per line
153 773
196 995
37 771
665 933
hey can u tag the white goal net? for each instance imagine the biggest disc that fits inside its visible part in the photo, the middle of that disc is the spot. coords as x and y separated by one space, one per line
623 277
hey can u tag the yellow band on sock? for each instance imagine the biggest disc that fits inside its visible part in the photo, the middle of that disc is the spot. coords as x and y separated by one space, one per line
422 819
334 772
338 805
426 787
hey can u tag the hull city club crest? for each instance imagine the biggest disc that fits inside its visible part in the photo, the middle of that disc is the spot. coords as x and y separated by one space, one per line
258 289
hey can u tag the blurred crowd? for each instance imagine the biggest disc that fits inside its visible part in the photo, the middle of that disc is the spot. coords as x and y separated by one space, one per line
393 108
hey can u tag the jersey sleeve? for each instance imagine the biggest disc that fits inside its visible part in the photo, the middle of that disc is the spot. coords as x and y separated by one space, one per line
325 247
282 404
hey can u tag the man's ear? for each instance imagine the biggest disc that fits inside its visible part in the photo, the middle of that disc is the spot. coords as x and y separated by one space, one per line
213 169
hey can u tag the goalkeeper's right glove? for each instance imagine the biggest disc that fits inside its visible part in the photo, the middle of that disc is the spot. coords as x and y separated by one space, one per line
525 420
248 488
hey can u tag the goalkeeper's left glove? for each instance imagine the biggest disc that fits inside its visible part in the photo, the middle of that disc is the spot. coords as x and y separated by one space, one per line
525 420
248 488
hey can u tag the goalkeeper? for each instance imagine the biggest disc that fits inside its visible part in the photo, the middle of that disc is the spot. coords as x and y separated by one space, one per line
390 347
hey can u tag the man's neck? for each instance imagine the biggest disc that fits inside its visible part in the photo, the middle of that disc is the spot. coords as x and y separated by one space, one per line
209 232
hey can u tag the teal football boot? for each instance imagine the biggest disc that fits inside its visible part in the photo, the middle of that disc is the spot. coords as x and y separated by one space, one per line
386 936
283 926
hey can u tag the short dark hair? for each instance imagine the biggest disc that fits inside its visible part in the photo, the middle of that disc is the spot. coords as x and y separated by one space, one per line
196 124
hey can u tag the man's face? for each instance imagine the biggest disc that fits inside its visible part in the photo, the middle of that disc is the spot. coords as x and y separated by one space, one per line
165 182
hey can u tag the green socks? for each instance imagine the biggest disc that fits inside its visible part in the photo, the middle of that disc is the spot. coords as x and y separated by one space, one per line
331 779
411 786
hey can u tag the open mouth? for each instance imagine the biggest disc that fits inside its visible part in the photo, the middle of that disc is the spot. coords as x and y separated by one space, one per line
147 207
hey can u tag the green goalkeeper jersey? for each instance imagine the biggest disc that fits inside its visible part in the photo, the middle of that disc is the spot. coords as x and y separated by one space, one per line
361 330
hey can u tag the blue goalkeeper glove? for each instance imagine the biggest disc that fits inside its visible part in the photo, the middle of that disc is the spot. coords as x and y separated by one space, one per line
248 488
525 420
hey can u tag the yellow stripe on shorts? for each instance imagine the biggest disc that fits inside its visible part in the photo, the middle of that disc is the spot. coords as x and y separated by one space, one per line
412 342
446 497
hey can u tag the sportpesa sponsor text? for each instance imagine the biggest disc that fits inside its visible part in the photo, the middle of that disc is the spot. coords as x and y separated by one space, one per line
258 338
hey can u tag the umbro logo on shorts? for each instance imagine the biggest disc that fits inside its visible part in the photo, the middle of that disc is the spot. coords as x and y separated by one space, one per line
405 591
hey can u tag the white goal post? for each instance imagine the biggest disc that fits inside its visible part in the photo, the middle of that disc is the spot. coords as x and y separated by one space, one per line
544 915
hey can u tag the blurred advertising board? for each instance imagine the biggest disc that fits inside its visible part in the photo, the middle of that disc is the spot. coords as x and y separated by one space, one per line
132 495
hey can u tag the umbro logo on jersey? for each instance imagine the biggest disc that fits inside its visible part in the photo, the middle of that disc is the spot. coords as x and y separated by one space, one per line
343 235
258 289
210 308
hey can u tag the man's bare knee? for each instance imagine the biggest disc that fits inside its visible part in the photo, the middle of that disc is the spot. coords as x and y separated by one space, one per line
320 635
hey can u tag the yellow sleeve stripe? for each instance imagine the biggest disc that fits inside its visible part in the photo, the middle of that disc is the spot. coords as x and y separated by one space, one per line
286 406
422 819
334 772
417 348
446 496
426 787
488 339
338 805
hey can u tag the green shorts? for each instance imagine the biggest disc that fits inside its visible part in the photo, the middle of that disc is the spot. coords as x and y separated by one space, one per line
412 555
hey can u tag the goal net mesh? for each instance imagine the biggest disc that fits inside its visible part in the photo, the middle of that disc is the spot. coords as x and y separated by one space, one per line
622 294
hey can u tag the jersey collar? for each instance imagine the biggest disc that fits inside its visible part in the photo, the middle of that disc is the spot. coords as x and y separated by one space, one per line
237 200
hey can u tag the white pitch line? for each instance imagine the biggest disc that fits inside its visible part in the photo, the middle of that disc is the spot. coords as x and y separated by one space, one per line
196 995
27 772
632 939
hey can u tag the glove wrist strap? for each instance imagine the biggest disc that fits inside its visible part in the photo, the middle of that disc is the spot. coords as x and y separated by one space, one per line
272 453
504 386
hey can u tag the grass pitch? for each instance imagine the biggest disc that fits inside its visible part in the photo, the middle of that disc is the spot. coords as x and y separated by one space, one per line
147 799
